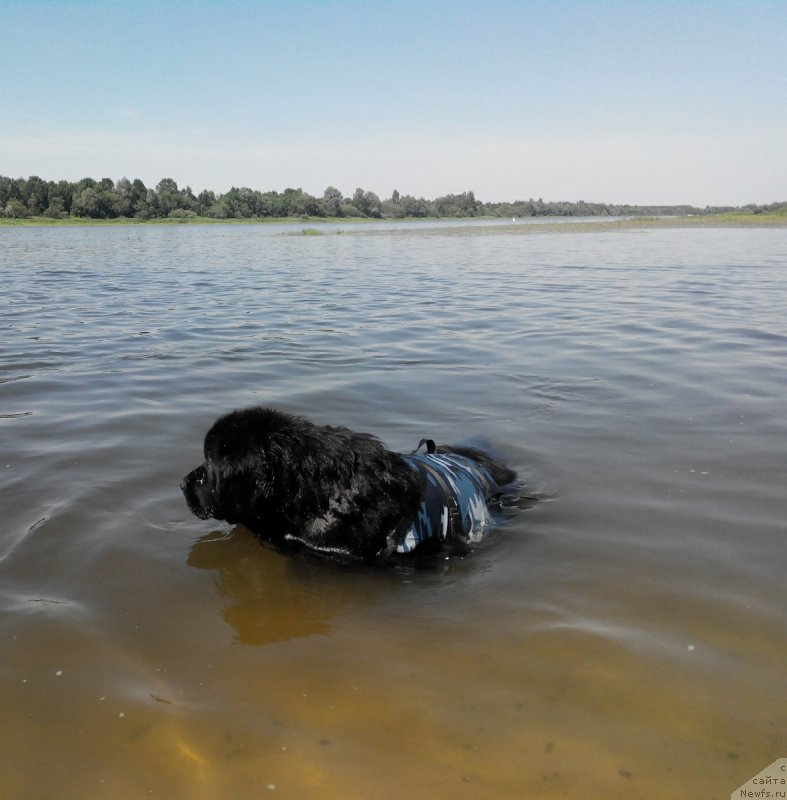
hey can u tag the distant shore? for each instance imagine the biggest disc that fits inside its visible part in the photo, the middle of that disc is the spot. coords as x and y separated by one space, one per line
607 224
524 225
560 225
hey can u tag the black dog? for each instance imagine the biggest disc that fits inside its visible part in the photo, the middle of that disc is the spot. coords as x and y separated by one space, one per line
339 492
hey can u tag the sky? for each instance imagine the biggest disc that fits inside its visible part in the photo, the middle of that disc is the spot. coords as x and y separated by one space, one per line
617 102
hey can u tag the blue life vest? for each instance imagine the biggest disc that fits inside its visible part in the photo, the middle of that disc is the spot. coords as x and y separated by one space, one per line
454 499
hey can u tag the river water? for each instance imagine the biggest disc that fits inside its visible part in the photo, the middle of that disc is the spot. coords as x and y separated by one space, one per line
623 635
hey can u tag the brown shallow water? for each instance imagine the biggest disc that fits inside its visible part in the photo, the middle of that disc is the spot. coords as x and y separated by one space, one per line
624 637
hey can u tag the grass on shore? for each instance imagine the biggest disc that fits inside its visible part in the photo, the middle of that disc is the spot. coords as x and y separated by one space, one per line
87 221
735 218
728 218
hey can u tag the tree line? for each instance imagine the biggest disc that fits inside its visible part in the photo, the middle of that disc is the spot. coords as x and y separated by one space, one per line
108 199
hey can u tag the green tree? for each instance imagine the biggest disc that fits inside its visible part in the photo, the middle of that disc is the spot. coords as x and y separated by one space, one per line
9 190
138 191
296 202
220 209
358 200
85 183
349 210
391 210
56 208
36 194
138 196
62 191
240 202
166 185
87 204
122 205
205 200
268 204
16 209
189 200
414 207
123 187
305 205
168 196
372 205
331 203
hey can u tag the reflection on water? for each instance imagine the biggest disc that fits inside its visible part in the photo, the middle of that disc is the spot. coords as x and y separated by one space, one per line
264 599
270 596
624 636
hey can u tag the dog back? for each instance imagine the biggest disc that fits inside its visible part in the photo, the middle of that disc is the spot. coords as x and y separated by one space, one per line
456 489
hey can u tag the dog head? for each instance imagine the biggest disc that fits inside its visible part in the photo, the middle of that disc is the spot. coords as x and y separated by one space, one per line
248 472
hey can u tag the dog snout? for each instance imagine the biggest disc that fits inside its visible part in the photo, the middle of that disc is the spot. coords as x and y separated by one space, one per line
198 495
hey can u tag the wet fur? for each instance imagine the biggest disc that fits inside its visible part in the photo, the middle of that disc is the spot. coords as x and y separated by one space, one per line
327 488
